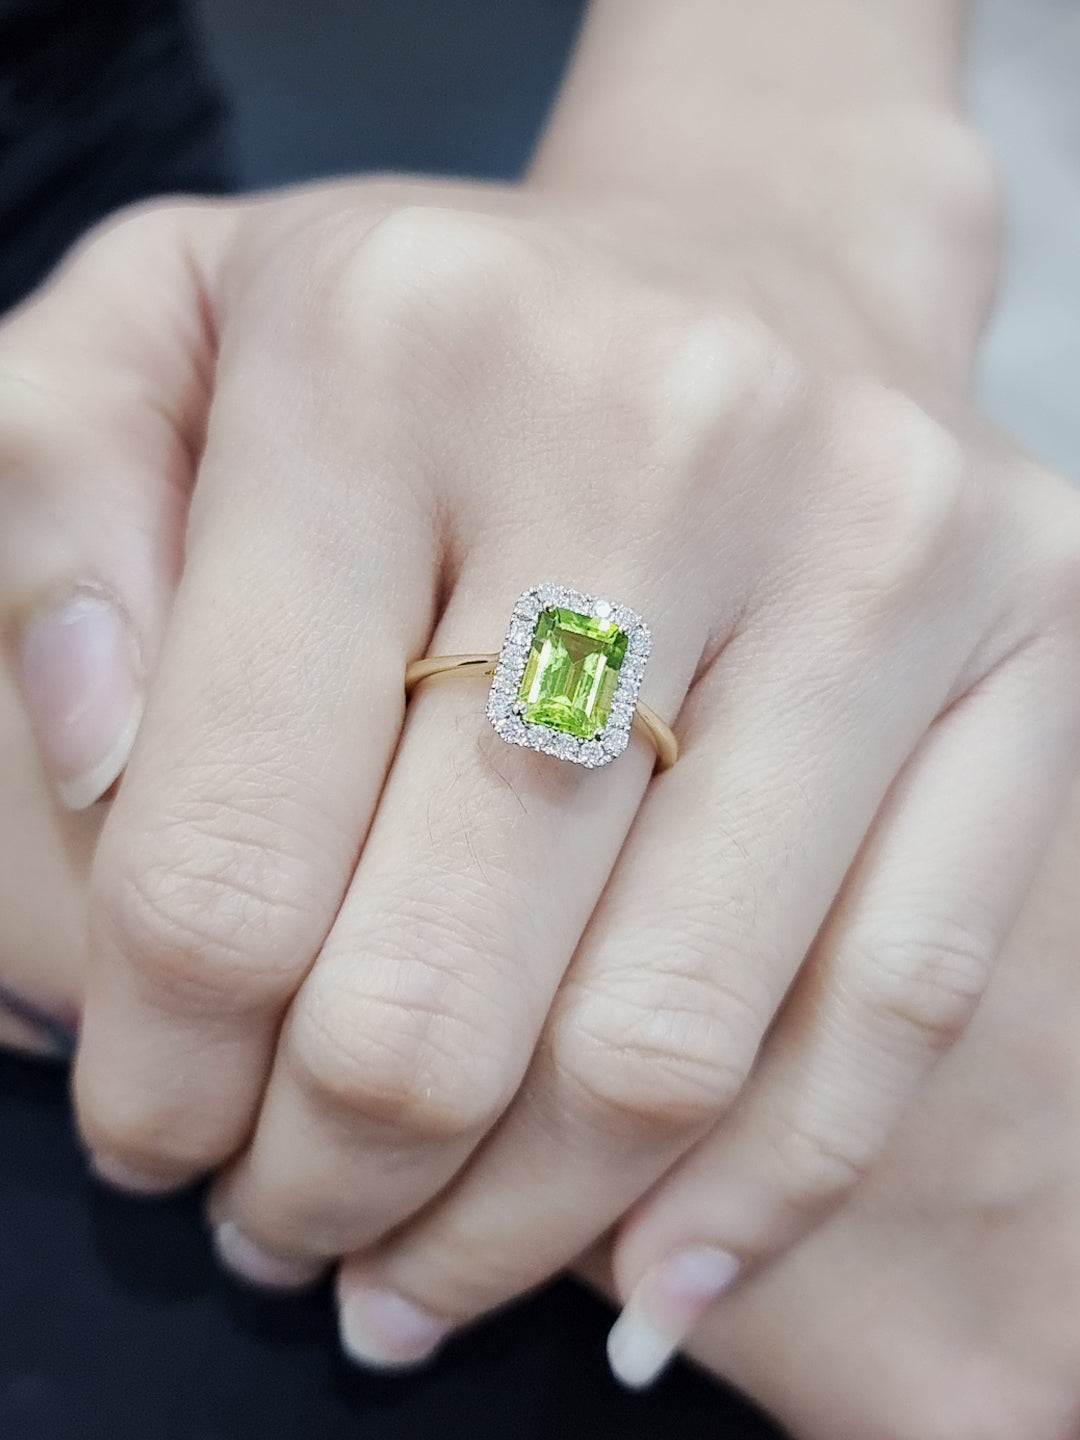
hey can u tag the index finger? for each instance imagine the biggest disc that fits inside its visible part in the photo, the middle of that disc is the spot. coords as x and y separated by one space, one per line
266 739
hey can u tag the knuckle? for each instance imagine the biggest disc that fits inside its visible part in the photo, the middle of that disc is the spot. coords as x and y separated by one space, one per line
209 916
130 233
929 983
655 1056
682 384
700 369
814 1163
909 504
1054 513
422 272
966 176
54 407
153 1129
398 1063
125 1126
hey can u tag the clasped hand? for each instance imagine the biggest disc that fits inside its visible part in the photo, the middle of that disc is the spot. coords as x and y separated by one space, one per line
449 1009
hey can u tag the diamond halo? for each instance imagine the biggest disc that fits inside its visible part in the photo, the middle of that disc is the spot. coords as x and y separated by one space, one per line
505 706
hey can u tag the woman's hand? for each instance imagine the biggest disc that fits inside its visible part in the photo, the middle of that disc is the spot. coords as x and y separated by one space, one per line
393 406
942 1300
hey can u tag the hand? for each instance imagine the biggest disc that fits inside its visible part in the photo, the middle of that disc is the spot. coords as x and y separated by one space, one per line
748 422
963 1234
943 1298
846 623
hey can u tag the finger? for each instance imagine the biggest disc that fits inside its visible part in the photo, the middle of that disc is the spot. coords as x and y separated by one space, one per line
967 1219
717 896
414 1029
895 977
102 401
263 751
44 861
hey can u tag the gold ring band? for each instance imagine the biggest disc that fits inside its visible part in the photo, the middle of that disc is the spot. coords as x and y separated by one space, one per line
646 721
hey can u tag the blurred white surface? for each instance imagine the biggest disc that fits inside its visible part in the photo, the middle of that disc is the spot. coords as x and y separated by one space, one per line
1025 93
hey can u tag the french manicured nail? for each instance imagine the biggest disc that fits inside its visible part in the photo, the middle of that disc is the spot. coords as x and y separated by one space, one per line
240 1254
123 1176
384 1331
78 671
664 1308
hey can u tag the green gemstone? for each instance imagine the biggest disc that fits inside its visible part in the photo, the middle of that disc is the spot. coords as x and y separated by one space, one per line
571 674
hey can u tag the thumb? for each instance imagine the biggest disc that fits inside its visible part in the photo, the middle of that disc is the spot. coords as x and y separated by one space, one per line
104 381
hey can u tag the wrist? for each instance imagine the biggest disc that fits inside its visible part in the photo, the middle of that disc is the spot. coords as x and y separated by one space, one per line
842 146
687 99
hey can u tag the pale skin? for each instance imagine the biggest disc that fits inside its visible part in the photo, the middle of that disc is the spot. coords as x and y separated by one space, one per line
713 360
940 1300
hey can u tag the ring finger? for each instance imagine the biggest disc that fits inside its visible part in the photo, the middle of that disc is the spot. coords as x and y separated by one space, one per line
412 1032
716 899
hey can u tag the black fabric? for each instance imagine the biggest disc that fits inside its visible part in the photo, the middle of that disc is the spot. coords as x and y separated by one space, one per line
102 102
115 1324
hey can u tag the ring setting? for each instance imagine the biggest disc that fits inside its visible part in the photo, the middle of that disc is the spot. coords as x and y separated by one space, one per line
569 675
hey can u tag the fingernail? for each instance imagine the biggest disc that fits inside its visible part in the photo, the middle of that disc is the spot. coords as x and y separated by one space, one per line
123 1176
384 1331
78 671
664 1308
240 1254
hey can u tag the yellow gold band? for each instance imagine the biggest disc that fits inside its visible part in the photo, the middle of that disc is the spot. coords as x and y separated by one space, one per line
646 720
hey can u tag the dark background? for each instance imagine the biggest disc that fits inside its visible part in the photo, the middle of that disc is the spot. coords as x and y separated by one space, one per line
115 1324
438 85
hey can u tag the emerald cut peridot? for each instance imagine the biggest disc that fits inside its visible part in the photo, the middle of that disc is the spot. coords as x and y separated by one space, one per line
571 673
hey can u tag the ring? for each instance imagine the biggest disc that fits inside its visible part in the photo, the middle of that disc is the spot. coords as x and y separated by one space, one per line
567 679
